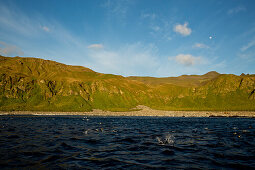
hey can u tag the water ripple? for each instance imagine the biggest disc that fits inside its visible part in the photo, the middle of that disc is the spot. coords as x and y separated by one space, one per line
76 142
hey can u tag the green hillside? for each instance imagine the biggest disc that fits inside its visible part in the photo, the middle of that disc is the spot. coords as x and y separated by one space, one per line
42 85
184 80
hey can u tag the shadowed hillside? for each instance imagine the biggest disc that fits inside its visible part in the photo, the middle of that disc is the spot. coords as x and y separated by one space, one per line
43 85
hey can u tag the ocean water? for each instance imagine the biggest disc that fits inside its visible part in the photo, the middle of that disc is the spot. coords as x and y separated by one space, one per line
78 142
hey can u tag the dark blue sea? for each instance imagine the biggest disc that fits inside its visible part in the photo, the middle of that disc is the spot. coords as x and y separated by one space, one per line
78 142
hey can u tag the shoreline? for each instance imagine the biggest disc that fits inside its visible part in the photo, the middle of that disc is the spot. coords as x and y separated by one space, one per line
144 111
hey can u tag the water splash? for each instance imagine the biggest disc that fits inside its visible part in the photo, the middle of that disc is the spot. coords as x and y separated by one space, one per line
167 139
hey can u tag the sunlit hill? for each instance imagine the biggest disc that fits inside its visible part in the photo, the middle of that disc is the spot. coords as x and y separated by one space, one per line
42 85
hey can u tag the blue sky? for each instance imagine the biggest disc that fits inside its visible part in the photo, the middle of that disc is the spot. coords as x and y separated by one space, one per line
133 37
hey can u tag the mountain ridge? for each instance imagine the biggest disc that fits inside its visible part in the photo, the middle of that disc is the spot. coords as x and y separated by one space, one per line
45 85
193 80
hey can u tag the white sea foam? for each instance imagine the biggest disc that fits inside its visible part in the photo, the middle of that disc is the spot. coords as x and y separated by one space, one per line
167 139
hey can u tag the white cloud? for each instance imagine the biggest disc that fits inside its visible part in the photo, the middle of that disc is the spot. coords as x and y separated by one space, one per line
236 10
182 29
249 45
187 59
10 50
95 46
200 45
47 29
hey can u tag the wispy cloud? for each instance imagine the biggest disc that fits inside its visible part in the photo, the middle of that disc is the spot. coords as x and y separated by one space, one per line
158 25
236 10
10 50
95 46
247 51
247 56
26 31
130 59
155 28
117 8
248 46
151 16
12 19
187 59
200 45
183 29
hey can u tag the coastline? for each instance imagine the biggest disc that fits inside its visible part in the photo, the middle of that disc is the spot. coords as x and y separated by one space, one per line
144 111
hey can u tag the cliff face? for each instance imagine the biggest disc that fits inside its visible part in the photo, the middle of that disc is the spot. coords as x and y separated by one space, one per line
36 84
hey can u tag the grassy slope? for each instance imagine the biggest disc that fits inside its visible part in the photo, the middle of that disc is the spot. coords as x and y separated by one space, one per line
36 84
184 80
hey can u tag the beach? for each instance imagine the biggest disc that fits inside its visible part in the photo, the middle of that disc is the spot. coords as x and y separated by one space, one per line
141 111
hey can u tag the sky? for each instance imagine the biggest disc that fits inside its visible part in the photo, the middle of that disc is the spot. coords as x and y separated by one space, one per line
159 38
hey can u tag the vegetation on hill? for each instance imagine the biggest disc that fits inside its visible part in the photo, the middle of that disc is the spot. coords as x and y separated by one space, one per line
42 85
184 80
